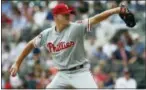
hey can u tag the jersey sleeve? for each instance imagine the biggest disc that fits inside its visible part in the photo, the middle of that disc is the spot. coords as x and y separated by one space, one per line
85 24
40 39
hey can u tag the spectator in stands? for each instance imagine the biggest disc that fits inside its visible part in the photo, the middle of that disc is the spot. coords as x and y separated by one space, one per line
121 53
115 18
45 79
38 67
37 61
137 66
5 20
144 55
7 8
109 82
91 46
31 81
99 76
19 22
83 8
126 81
27 11
126 38
109 48
98 7
138 46
40 16
8 84
99 54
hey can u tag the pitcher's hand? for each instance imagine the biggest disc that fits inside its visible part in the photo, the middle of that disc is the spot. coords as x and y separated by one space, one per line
14 69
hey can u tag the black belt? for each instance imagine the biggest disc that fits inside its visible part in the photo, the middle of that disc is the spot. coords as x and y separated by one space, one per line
74 68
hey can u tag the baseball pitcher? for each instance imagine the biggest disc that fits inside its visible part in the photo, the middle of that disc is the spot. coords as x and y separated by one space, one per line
65 40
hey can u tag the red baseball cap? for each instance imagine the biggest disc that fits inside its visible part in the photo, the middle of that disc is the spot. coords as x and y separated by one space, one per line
61 9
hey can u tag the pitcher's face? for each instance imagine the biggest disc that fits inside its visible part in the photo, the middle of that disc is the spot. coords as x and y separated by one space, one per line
63 18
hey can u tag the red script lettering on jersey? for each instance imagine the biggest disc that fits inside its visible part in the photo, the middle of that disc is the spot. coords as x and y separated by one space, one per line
60 46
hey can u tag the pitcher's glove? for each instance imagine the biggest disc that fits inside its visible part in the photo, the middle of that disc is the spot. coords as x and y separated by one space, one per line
127 16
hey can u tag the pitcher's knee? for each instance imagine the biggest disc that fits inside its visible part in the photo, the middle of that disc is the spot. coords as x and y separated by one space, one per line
49 86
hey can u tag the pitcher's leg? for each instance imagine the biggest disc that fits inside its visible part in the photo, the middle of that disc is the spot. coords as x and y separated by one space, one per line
59 81
83 80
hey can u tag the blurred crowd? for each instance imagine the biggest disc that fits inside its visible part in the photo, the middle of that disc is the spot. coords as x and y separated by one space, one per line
110 46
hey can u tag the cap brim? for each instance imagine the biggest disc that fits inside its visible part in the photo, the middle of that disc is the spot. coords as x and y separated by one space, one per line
67 12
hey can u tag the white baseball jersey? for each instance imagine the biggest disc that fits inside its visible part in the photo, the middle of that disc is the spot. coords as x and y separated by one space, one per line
67 47
123 83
